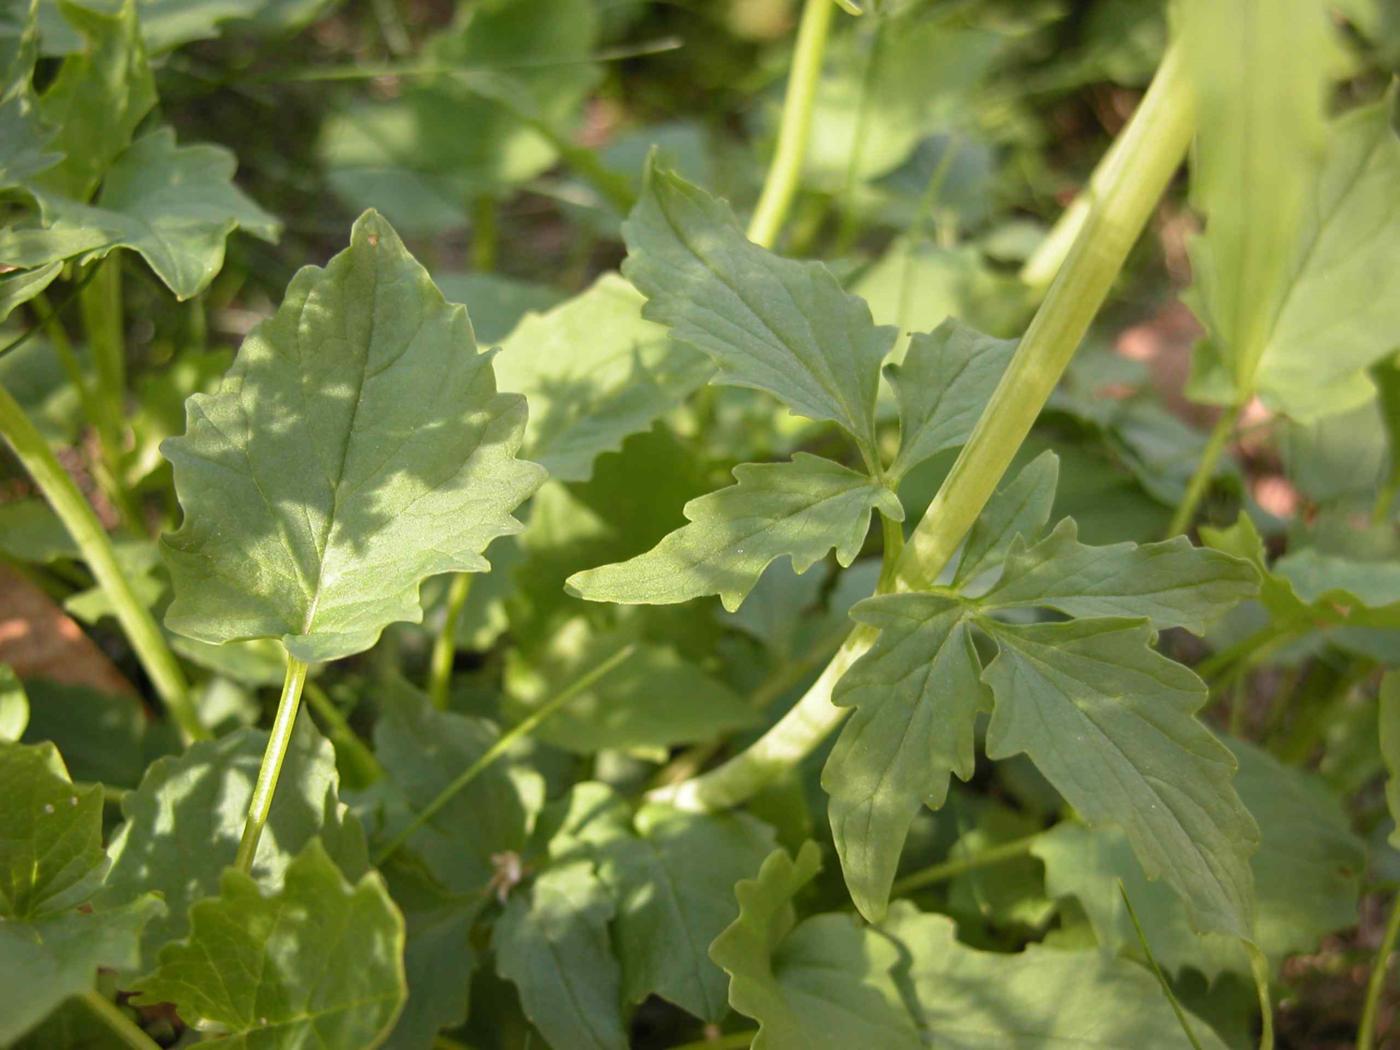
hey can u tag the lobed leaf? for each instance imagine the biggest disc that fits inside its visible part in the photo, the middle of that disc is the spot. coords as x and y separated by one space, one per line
1019 508
317 963
1109 723
174 205
942 386
822 985
770 323
801 508
356 447
1306 875
1172 583
594 373
916 693
552 943
978 1000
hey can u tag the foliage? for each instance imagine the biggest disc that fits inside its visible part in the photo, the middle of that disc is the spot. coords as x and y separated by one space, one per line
708 601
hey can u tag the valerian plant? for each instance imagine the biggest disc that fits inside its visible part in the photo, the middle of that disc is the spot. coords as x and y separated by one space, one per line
726 648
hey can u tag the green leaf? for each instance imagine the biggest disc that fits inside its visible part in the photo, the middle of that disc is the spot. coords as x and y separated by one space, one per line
1171 583
916 693
174 205
48 959
1259 73
1390 748
423 750
51 853
552 943
634 705
974 1000
51 860
439 954
98 97
356 447
19 287
802 508
102 736
421 156
594 372
770 323
14 706
1109 723
202 795
672 875
1341 306
497 303
1306 875
165 24
317 963
941 387
24 149
1020 508
821 985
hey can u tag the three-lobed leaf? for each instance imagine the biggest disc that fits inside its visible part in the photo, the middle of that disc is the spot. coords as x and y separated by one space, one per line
770 323
356 447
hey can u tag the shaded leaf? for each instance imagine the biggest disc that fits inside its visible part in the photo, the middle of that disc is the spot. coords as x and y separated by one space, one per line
174 205
1172 583
916 693
770 323
594 372
356 447
318 962
552 943
102 735
1109 723
822 985
1306 875
941 387
96 100
1020 508
202 796
1039 997
802 508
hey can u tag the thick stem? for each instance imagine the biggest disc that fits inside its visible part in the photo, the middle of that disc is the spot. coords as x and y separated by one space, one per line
785 172
444 652
1153 147
1259 967
260 805
1156 141
87 532
1380 968
123 1027
503 744
1220 436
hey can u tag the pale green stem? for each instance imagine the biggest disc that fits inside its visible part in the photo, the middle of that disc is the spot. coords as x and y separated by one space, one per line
123 1027
1385 501
1220 436
444 652
503 744
260 805
96 547
1156 142
1380 969
1259 967
362 768
951 869
785 172
101 304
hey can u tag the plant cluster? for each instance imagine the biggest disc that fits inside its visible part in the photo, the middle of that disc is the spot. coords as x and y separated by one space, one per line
976 746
